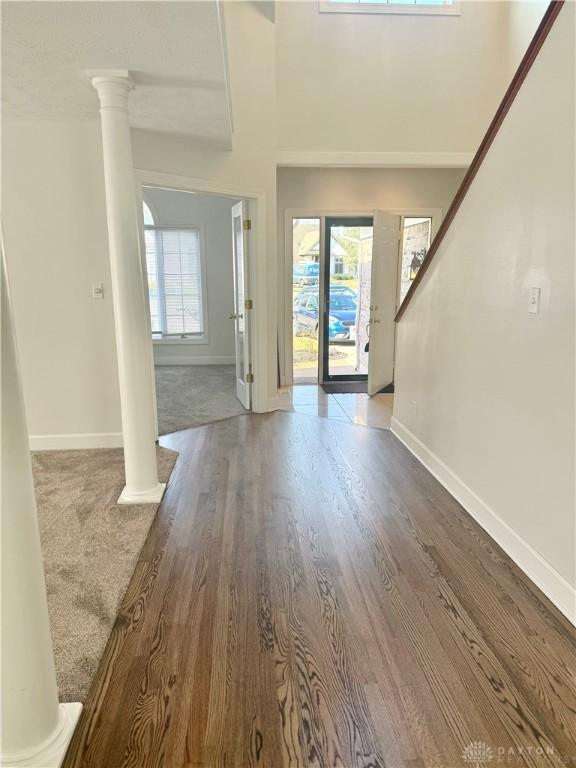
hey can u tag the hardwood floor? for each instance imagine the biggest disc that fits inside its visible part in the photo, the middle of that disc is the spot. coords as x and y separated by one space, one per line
309 595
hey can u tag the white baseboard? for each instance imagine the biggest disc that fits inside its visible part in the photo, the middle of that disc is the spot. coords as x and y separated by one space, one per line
73 442
348 159
195 360
553 585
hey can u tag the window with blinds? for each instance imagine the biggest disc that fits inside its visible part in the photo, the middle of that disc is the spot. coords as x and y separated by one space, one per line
175 288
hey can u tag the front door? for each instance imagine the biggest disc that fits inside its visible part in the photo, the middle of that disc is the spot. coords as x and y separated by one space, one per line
383 291
360 288
346 290
241 316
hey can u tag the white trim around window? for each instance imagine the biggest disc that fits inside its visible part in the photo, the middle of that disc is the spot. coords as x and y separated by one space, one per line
189 338
419 8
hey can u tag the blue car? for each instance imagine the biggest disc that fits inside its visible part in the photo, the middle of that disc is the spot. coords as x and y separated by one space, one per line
335 288
341 320
306 274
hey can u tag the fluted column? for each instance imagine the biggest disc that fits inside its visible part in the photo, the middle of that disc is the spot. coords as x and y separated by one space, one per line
129 292
35 729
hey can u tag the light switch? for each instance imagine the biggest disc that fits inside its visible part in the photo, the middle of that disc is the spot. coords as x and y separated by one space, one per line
534 301
97 290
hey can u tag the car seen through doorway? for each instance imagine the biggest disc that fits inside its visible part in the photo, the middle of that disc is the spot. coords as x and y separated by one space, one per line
342 317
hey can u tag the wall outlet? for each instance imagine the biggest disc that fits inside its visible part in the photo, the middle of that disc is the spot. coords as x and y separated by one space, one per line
97 290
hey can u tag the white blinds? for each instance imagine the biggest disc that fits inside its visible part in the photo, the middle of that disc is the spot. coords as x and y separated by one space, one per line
174 281
153 283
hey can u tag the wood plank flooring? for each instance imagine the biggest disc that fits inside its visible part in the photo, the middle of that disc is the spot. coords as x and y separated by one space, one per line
309 595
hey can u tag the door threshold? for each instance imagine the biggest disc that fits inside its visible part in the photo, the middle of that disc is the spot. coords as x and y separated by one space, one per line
340 387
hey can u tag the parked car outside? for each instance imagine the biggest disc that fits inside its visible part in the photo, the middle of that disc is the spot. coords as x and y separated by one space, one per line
335 289
341 320
306 274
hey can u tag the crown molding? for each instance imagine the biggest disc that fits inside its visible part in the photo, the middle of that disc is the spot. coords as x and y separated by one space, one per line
346 159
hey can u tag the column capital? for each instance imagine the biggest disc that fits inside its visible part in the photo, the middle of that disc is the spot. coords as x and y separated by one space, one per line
113 86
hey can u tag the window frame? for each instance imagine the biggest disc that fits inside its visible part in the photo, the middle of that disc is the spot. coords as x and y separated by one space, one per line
190 338
362 7
433 229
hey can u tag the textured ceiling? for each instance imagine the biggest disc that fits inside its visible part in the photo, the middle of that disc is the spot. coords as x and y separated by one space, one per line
173 50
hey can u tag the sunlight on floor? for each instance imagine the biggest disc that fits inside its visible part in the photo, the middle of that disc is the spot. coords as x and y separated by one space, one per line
353 408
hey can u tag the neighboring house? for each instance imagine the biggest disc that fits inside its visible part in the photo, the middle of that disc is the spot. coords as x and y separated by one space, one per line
309 250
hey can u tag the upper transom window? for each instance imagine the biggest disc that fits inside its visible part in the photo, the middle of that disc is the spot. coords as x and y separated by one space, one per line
433 7
148 217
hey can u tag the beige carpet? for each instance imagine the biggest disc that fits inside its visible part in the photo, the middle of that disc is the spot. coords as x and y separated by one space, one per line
191 395
90 547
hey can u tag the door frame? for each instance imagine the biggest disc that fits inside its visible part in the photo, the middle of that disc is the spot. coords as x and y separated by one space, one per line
257 257
243 386
285 352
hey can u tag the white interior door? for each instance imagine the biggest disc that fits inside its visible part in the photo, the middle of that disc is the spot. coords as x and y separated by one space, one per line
384 275
242 302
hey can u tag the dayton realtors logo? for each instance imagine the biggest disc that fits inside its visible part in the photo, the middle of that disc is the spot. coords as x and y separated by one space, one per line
478 753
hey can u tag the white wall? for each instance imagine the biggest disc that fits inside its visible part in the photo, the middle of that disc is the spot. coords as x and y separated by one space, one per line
212 215
355 189
394 83
54 219
485 390
366 188
524 16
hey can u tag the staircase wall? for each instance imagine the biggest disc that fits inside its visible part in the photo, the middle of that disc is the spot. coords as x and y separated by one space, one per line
485 389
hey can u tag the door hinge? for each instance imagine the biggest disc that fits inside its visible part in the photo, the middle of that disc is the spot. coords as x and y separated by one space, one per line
249 378
247 224
248 304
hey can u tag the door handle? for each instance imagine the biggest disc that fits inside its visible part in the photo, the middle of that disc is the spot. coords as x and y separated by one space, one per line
235 317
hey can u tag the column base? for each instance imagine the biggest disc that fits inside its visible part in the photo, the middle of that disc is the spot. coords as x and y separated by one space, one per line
153 496
52 752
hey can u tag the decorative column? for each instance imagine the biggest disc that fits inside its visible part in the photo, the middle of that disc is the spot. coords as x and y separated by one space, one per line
134 346
35 730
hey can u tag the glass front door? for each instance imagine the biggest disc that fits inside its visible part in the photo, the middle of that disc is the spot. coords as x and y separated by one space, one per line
348 258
